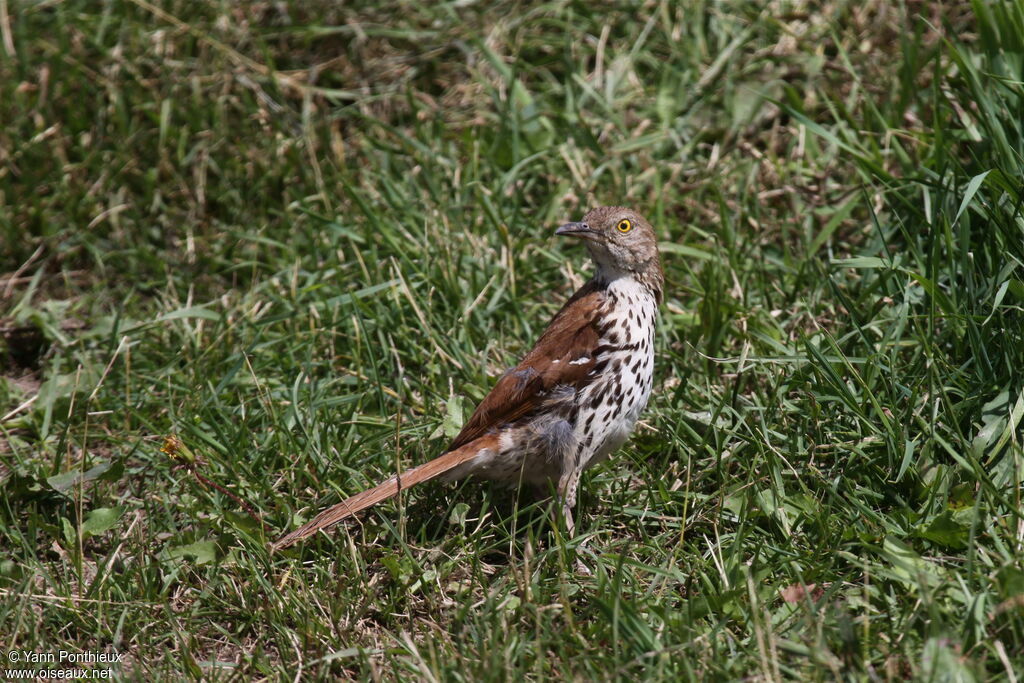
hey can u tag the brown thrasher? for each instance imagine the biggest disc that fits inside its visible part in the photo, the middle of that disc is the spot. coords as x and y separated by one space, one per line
576 395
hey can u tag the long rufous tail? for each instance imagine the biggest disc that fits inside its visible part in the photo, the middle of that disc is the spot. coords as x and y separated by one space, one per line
388 489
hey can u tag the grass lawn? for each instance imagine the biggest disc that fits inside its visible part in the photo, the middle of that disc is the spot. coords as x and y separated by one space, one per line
306 237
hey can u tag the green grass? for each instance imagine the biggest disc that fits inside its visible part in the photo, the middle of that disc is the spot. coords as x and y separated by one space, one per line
306 238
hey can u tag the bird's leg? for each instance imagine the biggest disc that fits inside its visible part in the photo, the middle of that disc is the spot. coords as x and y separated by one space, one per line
570 524
567 485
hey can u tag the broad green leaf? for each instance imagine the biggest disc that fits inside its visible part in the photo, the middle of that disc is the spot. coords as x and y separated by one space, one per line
454 417
458 514
101 520
906 566
1010 581
972 189
993 433
242 521
68 529
106 471
200 552
947 530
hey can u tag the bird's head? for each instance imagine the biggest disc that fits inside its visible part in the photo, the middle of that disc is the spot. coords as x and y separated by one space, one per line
621 242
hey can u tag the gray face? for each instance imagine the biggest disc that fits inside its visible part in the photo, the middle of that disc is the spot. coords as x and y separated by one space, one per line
617 238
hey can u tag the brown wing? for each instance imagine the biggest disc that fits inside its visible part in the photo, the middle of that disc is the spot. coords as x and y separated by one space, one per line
564 355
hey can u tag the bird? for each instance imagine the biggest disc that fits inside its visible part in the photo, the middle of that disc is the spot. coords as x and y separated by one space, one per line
577 394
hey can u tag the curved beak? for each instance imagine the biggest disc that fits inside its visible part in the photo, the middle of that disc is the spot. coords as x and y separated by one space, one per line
577 230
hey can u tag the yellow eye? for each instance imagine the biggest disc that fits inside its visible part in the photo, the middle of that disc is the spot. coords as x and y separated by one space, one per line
625 225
